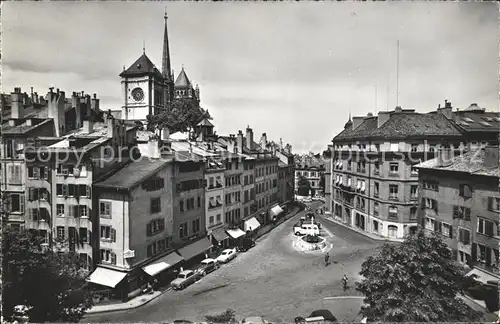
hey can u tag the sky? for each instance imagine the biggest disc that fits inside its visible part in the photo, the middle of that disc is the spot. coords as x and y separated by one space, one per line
293 70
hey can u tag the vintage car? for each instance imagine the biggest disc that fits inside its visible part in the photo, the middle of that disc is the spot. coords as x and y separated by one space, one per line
184 279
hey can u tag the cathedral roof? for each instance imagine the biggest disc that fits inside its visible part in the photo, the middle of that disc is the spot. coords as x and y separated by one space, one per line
182 80
143 66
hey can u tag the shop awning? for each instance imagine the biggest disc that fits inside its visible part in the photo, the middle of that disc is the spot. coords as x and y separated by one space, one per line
162 264
276 210
195 248
483 276
235 233
106 277
252 224
219 235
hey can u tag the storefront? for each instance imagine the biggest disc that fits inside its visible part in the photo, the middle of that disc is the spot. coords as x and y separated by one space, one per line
220 239
163 269
196 251
236 234
109 284
276 212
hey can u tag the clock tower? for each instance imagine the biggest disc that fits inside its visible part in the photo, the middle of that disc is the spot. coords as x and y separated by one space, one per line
142 87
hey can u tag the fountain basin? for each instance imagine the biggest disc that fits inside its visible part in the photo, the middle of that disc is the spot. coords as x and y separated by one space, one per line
305 244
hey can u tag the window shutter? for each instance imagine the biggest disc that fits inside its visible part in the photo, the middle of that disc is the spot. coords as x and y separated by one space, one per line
461 235
90 237
467 213
466 237
455 211
76 211
474 253
113 235
89 191
65 189
148 229
113 258
467 191
440 227
436 226
490 203
451 233
489 228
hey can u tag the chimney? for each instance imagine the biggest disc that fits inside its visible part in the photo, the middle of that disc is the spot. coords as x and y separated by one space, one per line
75 103
110 125
87 104
263 141
94 105
35 98
239 141
249 138
289 148
230 143
445 157
398 109
17 108
56 110
446 111
153 147
369 115
491 156
88 126
356 121
383 116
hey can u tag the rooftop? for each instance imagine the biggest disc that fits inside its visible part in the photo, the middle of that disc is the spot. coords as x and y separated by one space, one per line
134 173
23 126
470 162
182 80
143 66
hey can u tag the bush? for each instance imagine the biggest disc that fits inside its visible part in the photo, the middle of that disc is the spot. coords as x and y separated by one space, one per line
226 317
312 239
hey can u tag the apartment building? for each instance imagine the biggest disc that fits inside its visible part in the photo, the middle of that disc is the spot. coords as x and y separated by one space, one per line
460 201
375 184
29 118
214 201
328 182
313 174
286 174
152 218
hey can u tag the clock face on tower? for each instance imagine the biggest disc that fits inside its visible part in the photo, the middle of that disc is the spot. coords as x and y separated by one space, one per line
137 94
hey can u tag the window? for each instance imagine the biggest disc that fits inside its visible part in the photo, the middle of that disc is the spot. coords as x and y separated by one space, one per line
183 230
393 168
349 165
414 147
211 220
446 230
33 172
107 256
431 185
196 225
461 212
393 230
414 192
494 203
393 192
413 213
464 236
16 203
432 148
60 233
83 211
105 209
485 227
181 205
393 212
14 174
376 168
376 189
375 208
414 171
199 202
155 226
108 233
155 205
218 218
153 184
430 223
430 203
465 191
60 210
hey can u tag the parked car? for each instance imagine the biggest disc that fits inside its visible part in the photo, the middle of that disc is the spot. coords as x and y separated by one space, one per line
306 229
207 266
184 279
255 320
246 244
324 313
226 255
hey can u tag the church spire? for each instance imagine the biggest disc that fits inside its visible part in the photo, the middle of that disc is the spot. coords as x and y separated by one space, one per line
165 64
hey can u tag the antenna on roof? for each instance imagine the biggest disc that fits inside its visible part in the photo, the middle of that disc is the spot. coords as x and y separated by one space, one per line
143 47
397 76
376 92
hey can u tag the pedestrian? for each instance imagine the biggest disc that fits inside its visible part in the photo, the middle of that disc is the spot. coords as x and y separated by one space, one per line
327 259
344 280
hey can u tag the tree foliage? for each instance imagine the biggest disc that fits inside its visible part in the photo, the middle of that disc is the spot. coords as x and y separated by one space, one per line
416 281
50 284
303 186
181 116
226 317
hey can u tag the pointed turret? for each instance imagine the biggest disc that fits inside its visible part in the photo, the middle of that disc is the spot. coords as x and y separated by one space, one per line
168 77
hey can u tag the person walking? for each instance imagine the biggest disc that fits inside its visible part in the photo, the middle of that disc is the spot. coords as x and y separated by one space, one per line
344 281
327 259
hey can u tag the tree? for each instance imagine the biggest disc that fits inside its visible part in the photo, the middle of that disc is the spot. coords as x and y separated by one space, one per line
416 281
303 186
50 284
226 317
181 116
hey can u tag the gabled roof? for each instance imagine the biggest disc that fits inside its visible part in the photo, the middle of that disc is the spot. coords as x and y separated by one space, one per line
205 122
402 125
182 80
143 66
477 121
22 126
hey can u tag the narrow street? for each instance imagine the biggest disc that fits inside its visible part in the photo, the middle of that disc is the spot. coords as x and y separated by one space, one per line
272 280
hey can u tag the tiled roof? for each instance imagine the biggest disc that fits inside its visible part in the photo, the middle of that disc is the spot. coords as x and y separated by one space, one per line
402 125
182 80
470 162
134 173
477 121
142 66
23 128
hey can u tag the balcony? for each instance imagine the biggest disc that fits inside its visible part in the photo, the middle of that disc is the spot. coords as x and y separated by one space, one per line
394 174
393 198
